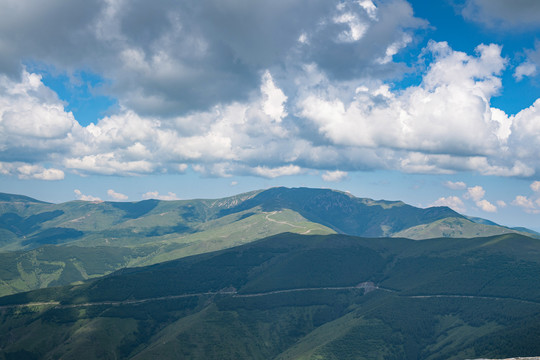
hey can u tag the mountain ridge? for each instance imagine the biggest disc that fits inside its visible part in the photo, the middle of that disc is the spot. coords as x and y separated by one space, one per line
151 231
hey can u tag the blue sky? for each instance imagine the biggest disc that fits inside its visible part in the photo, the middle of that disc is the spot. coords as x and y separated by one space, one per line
429 102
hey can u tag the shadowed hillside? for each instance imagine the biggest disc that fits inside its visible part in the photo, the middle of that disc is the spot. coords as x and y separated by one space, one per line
297 297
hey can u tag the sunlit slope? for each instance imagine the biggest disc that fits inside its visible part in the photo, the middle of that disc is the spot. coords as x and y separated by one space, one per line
452 227
26 223
61 265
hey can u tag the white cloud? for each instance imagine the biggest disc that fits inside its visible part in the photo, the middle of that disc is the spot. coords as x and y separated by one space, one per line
523 201
116 196
277 171
476 193
458 185
83 197
446 114
369 7
29 109
501 204
223 169
503 14
486 206
453 202
109 164
356 30
40 173
525 137
529 204
334 176
394 48
525 69
314 119
157 196
273 105
30 171
535 186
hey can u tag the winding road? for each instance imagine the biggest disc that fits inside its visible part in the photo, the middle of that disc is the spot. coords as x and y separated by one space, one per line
286 223
366 286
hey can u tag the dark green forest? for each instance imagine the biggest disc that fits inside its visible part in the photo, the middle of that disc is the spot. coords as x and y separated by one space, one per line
294 296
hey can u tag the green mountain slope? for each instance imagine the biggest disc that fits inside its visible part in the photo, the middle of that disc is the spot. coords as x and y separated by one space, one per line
296 297
61 265
152 231
452 227
26 223
345 213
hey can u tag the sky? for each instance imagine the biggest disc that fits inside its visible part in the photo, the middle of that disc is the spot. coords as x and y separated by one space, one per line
435 103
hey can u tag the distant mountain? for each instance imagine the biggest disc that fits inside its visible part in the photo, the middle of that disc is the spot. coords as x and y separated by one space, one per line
526 231
453 227
18 198
479 220
343 212
293 296
26 223
152 231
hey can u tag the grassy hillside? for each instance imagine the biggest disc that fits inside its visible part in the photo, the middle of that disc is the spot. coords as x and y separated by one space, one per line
61 265
345 213
294 296
454 228
26 223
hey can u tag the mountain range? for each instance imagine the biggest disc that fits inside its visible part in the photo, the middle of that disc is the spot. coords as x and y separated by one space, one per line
44 244
273 274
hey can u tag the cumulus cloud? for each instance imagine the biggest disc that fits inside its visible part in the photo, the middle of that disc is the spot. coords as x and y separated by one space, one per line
523 201
153 68
30 171
415 130
274 98
157 196
252 99
277 171
458 185
531 64
530 204
33 122
453 202
520 14
115 195
38 172
445 114
475 193
525 69
334 176
486 206
83 197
